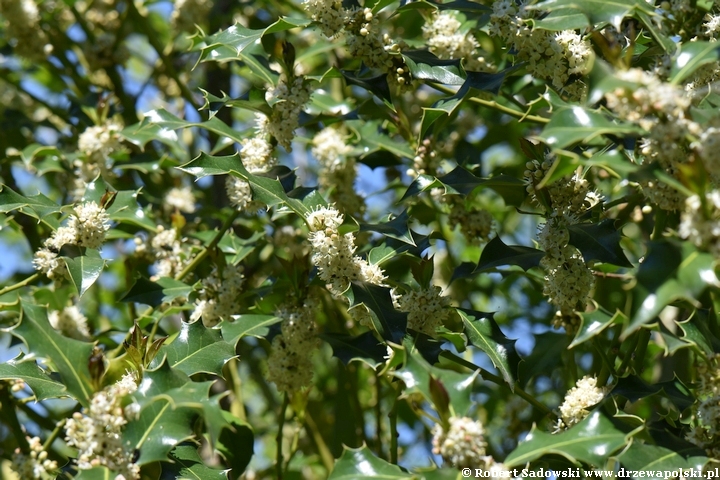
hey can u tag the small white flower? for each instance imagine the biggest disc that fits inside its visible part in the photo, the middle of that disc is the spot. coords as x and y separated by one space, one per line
181 198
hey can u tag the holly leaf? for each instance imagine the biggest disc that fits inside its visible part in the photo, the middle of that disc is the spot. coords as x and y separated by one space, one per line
187 463
590 441
84 269
68 356
497 254
579 125
164 290
600 242
483 332
364 347
39 381
396 228
389 323
248 325
197 349
361 464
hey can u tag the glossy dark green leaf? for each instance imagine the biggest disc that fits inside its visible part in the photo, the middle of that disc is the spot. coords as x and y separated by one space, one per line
562 19
163 290
42 385
484 333
693 276
266 190
594 323
652 459
496 254
424 65
377 85
416 375
599 11
579 125
381 254
253 99
396 228
187 463
96 473
372 138
197 349
364 347
659 265
84 270
248 325
599 242
68 356
389 323
161 424
236 443
591 441
165 119
691 56
462 181
37 206
362 464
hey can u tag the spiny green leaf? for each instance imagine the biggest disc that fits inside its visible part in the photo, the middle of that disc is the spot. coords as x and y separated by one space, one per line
266 190
593 323
545 357
599 242
372 139
424 65
362 464
389 323
69 356
236 443
576 124
377 85
483 332
96 473
165 119
496 254
364 347
396 228
416 375
163 290
562 19
42 385
691 56
253 99
197 349
85 269
187 463
641 457
248 325
37 206
591 441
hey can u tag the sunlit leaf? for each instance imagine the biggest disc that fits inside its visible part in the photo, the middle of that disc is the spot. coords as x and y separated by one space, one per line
483 332
248 325
197 349
389 322
39 381
592 441
361 464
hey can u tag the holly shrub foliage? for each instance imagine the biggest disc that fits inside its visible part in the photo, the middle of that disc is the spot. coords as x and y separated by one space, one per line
377 240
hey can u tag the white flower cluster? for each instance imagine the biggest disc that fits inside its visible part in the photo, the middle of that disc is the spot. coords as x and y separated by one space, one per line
463 446
711 26
426 309
97 432
568 281
35 465
99 142
167 251
219 296
661 110
290 360
287 100
475 224
365 38
188 13
337 170
553 56
446 39
334 253
181 199
578 400
22 24
706 434
708 148
700 221
70 322
87 228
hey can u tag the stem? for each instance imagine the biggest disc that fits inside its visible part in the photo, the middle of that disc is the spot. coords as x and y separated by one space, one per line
54 434
393 430
642 344
325 454
206 251
20 284
660 221
499 381
279 438
236 407
378 416
494 105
